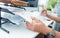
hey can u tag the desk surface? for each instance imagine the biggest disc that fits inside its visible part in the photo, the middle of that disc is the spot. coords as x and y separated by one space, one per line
19 31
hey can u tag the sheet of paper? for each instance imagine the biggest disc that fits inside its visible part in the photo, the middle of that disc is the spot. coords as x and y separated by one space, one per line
27 16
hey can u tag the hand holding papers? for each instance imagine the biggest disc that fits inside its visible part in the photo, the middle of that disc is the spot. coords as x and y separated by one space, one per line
27 16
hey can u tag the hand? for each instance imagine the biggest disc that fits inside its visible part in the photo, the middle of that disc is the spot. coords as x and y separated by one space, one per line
44 12
38 26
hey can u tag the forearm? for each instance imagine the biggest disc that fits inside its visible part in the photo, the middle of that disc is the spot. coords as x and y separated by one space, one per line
3 1
54 18
48 30
57 34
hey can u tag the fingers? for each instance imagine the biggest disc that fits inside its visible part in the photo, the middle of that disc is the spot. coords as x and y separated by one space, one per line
44 11
35 19
28 24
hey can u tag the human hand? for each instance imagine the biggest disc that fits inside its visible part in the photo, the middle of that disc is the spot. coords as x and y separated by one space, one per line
44 12
38 26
